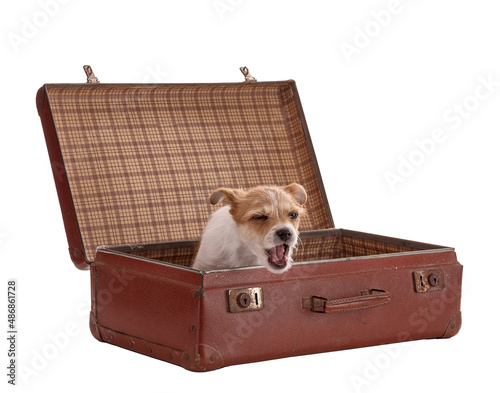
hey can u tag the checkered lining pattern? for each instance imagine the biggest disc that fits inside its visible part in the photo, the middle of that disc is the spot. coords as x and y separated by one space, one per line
143 160
317 248
333 246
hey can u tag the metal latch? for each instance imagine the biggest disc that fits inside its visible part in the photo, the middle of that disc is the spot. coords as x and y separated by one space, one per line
245 299
91 78
428 280
247 75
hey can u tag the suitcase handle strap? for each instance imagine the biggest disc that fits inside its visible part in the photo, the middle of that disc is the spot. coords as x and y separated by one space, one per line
367 299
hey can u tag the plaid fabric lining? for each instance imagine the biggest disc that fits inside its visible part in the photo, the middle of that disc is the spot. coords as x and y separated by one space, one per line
342 246
357 246
318 248
142 161
178 256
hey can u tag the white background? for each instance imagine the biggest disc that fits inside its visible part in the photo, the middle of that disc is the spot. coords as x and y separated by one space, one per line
374 77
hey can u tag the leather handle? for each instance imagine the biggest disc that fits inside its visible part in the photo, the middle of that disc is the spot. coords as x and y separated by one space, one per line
368 299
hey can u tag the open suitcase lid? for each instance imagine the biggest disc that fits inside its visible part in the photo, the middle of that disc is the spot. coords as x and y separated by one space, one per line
136 163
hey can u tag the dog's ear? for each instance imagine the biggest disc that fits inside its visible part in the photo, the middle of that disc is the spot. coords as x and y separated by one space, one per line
227 196
298 193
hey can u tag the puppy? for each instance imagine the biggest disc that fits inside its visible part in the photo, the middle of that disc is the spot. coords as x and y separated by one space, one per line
257 227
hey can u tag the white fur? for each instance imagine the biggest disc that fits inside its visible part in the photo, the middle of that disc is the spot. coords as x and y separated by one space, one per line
224 245
221 246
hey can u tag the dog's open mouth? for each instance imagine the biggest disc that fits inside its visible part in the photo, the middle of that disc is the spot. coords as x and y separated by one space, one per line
277 256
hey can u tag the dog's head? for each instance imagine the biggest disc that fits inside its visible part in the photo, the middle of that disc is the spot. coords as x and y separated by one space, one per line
268 220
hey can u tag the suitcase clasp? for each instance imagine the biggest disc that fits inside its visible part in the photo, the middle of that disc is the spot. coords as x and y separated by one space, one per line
428 280
245 299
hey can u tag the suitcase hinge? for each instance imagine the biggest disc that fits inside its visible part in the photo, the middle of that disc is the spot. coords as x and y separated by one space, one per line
247 75
91 78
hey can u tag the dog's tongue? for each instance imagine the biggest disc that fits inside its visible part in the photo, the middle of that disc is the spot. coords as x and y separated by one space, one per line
277 255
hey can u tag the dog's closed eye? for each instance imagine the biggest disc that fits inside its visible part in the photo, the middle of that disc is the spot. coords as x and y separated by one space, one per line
260 218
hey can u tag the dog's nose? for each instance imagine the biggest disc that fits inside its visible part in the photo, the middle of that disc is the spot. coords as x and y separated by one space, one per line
284 234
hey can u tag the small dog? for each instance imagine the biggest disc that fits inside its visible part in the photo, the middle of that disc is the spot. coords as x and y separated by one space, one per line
257 227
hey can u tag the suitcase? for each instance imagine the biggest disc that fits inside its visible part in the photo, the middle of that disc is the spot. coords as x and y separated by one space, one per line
134 165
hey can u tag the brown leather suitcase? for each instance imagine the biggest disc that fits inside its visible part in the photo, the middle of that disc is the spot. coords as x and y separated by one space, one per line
134 166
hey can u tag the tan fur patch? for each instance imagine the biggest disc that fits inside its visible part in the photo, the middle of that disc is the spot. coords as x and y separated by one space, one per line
262 208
